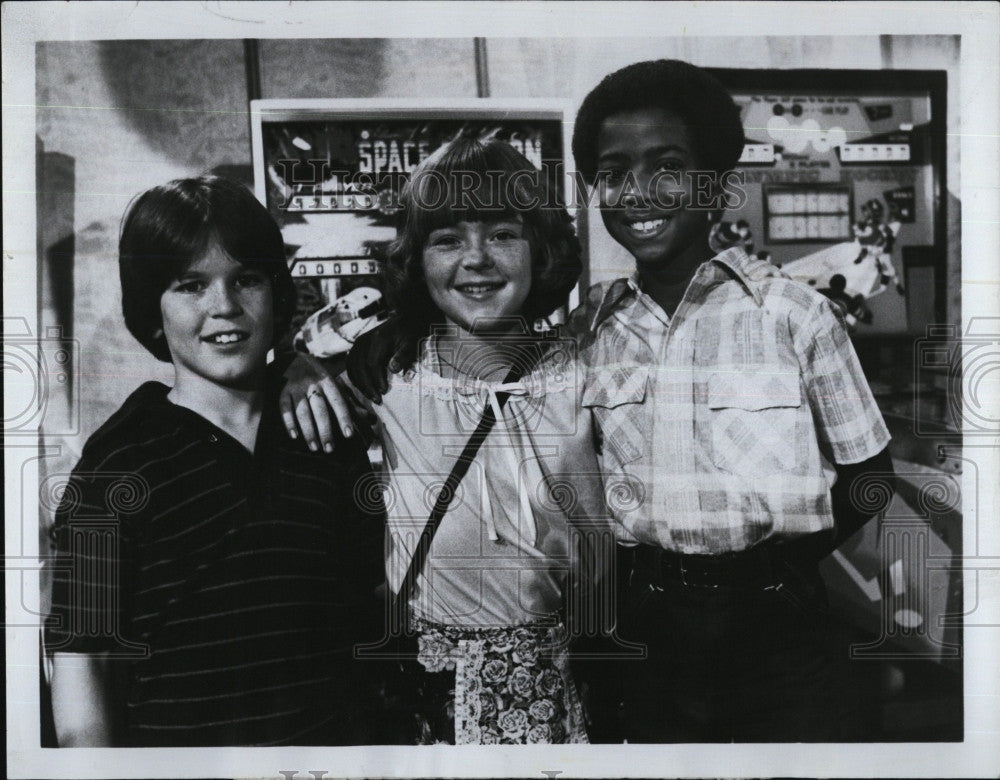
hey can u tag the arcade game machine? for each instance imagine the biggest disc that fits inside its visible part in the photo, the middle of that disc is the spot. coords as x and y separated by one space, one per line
331 173
844 176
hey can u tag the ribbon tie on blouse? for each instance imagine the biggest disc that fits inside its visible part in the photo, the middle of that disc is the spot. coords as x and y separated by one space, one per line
519 442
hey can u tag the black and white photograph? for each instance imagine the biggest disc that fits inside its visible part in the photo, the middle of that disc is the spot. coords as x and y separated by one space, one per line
501 389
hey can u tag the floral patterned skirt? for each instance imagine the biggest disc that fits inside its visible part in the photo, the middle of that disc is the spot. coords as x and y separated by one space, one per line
485 686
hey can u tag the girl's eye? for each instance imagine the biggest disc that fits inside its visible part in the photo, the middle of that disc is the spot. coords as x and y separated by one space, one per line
444 241
251 280
189 286
612 175
506 234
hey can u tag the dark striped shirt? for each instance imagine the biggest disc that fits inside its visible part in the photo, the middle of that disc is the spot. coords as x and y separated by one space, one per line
229 587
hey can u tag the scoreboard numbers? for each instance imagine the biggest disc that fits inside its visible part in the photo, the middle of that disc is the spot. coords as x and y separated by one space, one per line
306 269
874 153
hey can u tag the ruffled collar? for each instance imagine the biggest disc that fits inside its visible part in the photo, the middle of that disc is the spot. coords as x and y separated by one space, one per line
556 371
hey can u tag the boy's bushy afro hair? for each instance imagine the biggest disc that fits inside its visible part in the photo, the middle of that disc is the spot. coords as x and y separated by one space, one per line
712 118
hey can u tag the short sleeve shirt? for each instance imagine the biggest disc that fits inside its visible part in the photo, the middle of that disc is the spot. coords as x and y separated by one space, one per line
720 426
227 588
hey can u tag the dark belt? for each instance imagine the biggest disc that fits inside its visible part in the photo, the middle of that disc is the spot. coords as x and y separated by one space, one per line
758 566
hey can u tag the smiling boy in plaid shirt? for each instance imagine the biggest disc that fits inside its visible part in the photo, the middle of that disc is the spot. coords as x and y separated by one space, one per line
731 404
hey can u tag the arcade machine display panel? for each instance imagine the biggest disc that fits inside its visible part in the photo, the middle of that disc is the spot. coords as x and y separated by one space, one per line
842 172
843 175
331 173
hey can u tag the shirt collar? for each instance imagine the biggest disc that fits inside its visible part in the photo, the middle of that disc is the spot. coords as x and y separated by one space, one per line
613 296
745 269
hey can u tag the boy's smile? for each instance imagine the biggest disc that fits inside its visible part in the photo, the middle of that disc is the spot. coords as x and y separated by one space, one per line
218 321
646 165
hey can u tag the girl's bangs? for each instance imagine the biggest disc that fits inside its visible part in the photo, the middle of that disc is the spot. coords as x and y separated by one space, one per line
471 182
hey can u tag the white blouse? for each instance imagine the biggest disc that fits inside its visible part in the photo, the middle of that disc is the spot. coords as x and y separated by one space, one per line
505 550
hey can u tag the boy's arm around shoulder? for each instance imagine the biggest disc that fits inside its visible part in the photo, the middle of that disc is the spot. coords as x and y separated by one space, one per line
310 400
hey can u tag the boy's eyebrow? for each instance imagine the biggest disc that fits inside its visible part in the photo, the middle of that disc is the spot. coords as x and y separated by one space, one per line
667 148
651 152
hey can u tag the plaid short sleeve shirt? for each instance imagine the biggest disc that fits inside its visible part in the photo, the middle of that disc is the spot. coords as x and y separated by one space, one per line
719 427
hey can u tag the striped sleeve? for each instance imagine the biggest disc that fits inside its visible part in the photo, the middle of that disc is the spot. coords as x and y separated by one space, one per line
91 574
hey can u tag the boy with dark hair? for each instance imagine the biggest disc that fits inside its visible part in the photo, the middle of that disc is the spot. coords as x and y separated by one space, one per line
212 576
733 399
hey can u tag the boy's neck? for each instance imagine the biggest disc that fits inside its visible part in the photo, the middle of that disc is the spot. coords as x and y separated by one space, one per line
667 283
236 411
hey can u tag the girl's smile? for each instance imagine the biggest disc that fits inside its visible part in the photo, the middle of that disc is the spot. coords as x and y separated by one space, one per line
479 273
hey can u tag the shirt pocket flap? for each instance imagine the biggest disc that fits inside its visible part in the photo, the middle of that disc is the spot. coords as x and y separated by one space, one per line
611 387
753 392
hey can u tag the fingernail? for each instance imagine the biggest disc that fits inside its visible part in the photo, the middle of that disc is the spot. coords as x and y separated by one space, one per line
328 448
312 446
348 432
294 434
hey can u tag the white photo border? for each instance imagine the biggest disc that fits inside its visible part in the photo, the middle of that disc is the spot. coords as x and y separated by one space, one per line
976 23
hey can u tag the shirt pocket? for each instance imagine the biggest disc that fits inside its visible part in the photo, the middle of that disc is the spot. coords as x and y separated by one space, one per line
751 424
616 398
